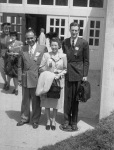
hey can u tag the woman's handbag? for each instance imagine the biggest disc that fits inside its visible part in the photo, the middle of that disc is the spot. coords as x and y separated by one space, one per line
84 91
55 90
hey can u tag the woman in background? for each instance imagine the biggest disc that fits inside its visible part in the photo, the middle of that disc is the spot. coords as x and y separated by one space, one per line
57 63
4 41
11 66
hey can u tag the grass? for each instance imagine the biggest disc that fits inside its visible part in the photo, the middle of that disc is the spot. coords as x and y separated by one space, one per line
101 138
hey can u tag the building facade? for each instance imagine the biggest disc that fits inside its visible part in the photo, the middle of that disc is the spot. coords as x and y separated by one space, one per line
56 15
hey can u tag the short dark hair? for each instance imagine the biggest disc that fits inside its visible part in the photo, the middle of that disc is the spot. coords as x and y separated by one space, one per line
6 24
75 24
56 39
30 30
14 33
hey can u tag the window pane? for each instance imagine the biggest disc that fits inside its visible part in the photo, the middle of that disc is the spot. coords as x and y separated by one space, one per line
51 29
97 24
57 30
62 31
62 38
81 32
76 21
3 1
92 24
62 2
96 3
96 42
82 3
81 23
32 1
51 21
57 22
47 2
90 41
97 33
62 22
15 1
91 33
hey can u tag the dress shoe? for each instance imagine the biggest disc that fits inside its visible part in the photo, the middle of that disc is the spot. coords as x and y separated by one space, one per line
4 87
74 127
7 87
21 123
66 126
13 92
53 127
47 127
35 125
16 92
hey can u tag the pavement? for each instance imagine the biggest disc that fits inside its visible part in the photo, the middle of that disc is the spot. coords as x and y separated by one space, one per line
27 138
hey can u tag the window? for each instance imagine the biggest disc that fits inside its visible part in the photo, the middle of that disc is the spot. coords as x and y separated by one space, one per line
47 2
3 1
94 33
15 1
62 2
81 3
96 3
32 1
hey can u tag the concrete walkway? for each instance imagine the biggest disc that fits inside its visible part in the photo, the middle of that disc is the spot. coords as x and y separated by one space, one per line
27 138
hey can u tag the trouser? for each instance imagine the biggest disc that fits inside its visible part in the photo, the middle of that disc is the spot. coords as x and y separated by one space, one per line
27 95
70 102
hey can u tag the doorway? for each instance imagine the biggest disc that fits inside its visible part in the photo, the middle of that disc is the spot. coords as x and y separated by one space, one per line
36 22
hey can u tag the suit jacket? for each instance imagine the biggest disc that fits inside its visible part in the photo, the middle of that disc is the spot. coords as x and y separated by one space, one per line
77 59
28 67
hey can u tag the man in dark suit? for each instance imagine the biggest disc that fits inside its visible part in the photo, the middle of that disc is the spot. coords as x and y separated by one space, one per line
28 66
77 50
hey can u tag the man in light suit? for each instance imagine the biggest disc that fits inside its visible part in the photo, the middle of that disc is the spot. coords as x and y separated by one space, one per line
28 66
77 50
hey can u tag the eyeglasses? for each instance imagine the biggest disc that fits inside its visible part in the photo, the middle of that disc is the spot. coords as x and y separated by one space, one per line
31 38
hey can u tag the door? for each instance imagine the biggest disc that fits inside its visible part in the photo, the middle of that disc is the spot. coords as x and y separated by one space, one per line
17 23
58 24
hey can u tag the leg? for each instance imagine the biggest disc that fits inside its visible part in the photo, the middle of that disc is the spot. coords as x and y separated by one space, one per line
15 91
67 103
3 71
36 109
47 111
53 127
75 104
8 82
25 107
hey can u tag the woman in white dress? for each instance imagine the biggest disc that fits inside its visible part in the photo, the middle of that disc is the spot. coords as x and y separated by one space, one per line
55 62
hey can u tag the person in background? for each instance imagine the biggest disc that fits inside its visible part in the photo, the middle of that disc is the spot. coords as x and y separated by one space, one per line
42 38
4 42
56 63
28 65
11 66
77 51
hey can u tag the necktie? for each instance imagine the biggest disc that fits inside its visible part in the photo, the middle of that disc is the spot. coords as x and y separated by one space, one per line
30 52
73 43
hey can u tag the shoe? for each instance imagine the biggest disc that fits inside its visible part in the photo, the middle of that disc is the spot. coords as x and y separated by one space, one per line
66 126
53 127
13 92
21 123
47 127
74 127
16 92
35 125
4 87
7 87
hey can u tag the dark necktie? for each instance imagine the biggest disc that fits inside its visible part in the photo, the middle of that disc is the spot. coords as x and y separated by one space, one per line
73 43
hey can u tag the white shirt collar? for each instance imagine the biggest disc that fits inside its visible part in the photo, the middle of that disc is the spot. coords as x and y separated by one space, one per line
75 40
32 49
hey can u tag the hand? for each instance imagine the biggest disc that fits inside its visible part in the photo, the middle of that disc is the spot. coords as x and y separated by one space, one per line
84 79
57 76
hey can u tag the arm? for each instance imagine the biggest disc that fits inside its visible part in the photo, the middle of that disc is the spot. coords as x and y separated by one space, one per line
43 63
85 60
20 67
